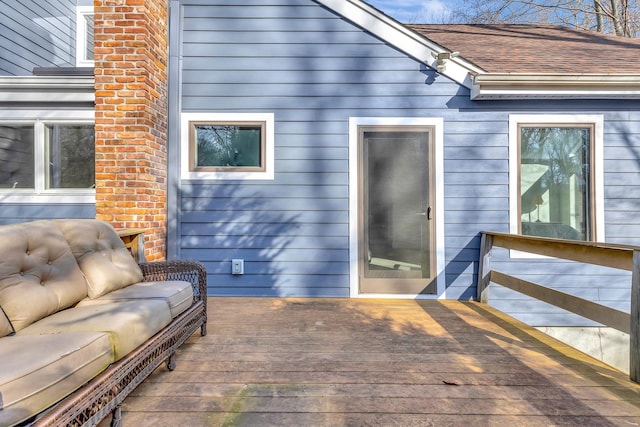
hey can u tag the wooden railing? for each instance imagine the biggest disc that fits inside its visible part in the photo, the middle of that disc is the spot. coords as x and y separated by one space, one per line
608 255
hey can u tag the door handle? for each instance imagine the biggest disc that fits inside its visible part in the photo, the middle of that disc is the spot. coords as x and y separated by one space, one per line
427 213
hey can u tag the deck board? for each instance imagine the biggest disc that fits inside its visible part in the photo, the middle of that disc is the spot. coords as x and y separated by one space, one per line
335 362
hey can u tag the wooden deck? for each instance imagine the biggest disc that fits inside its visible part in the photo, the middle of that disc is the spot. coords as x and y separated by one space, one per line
345 362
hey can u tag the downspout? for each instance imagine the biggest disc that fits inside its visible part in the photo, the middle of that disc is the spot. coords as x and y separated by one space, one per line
173 144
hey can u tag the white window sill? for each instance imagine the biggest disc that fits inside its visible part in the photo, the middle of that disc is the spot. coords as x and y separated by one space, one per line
51 197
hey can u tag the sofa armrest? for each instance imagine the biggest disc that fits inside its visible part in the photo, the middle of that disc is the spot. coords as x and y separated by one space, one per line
190 271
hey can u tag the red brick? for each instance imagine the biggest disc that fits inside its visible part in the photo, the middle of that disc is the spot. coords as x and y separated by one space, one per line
131 116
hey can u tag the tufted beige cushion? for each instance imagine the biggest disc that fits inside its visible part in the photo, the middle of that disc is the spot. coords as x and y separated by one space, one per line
38 274
39 370
5 325
102 256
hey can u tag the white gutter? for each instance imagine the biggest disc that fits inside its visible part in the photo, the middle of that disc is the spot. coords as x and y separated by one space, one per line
47 89
402 38
561 86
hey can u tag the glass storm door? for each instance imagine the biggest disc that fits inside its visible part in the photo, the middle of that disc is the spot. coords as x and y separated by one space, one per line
396 211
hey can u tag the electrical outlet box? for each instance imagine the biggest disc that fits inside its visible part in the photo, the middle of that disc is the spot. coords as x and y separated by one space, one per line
237 266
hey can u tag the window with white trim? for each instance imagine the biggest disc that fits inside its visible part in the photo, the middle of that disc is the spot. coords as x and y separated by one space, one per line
84 36
556 176
227 146
45 157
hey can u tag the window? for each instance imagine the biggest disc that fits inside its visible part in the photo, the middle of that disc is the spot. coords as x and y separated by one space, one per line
16 156
84 36
47 157
70 156
227 146
557 176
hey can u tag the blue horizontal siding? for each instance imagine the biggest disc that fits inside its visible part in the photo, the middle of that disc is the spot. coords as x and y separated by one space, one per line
267 204
299 255
234 216
322 290
255 190
36 34
277 242
15 213
259 10
260 229
289 89
315 70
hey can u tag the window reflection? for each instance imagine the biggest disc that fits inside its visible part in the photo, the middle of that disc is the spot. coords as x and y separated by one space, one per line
555 182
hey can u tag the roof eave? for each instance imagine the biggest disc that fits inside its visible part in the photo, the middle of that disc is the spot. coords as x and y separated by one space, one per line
402 38
491 86
47 89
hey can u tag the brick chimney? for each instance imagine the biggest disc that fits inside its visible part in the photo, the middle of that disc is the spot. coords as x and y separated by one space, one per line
131 72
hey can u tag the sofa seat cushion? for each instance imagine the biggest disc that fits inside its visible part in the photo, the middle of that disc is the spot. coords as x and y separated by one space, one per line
39 370
38 273
178 295
101 255
128 323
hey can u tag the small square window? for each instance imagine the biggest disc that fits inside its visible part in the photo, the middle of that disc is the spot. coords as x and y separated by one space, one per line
221 146
227 146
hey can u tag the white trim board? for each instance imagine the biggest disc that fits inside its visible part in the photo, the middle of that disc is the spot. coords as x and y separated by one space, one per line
438 124
47 89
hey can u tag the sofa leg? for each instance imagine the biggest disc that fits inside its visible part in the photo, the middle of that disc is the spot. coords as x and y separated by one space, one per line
116 417
171 362
203 330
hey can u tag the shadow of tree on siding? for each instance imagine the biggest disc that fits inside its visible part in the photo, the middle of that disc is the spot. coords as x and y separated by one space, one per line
225 221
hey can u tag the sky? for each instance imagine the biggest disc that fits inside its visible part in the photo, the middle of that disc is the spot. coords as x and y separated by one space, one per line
415 11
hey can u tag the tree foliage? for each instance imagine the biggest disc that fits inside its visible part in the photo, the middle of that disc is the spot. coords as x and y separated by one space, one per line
619 17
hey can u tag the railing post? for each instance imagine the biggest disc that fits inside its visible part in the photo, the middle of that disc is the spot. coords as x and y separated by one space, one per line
634 344
484 267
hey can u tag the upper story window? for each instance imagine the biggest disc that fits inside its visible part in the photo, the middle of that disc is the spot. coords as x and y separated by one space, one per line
558 176
47 157
84 36
227 146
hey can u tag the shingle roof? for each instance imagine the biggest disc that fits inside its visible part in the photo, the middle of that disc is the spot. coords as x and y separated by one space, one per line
536 48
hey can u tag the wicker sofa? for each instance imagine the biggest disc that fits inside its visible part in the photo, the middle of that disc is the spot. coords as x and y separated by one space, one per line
82 324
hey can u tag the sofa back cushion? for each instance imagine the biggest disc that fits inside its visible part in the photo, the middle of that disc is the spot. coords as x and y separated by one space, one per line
38 273
101 255
5 325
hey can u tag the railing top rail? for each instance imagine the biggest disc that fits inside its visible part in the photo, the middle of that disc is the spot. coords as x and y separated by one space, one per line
597 253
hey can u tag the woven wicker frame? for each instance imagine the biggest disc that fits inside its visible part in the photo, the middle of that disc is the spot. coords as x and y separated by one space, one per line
104 394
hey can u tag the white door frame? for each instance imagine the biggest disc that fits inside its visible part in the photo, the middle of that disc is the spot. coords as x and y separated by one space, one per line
438 124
